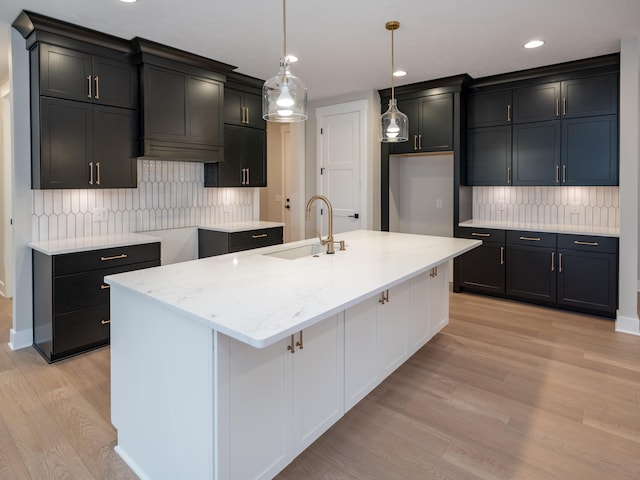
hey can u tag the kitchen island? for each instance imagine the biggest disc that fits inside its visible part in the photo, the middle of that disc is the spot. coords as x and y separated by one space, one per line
228 367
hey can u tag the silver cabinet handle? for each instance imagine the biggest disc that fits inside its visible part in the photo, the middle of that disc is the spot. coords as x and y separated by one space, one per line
557 106
557 173
531 239
97 171
105 287
564 173
501 255
553 261
475 234
560 263
90 173
262 235
564 106
115 257
508 113
415 142
420 142
248 176
105 322
97 97
591 244
89 86
508 175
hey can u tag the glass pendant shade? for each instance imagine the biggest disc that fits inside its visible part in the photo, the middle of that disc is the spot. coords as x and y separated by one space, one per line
284 97
394 124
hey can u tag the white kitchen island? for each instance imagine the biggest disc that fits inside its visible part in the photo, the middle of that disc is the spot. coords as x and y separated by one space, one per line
228 367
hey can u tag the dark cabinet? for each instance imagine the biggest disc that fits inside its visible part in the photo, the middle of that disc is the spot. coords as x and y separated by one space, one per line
536 103
531 266
71 300
590 96
430 124
74 75
81 145
182 115
575 272
243 109
483 268
489 156
588 273
215 242
244 162
489 109
536 153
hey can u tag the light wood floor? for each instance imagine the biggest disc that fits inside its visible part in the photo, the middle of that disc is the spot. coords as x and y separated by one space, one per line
506 391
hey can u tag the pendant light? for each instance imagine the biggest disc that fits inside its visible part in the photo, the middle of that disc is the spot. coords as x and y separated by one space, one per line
284 97
394 124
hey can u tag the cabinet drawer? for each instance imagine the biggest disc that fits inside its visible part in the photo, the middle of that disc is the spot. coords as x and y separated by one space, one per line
77 331
105 258
484 234
83 290
533 239
254 238
588 243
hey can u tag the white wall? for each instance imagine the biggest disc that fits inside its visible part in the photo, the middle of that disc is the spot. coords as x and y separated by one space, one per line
372 183
627 318
5 191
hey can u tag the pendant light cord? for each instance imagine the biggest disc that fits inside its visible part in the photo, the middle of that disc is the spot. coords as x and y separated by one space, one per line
284 28
392 67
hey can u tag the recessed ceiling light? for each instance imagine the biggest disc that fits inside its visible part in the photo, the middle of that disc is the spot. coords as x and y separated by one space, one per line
534 44
129 1
292 58
399 73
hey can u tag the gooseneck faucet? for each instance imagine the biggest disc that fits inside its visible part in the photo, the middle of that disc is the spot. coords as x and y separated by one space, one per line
329 240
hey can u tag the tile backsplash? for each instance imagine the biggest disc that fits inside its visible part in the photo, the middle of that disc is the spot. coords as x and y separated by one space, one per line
169 195
590 206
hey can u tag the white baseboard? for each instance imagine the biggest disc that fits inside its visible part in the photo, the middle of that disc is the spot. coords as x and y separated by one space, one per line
628 325
21 339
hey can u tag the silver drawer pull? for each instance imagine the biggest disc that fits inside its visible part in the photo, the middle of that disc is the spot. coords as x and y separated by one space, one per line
480 234
262 235
591 244
105 287
531 239
116 257
105 322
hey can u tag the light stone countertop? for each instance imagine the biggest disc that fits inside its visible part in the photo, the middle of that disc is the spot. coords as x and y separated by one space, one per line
259 299
544 227
98 242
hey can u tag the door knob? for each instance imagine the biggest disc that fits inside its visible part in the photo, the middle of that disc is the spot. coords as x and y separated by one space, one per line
355 215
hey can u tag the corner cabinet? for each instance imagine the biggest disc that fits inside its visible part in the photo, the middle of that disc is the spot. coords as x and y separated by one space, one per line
71 300
84 113
483 268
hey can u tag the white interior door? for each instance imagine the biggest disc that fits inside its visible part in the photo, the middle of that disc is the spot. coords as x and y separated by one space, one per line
341 164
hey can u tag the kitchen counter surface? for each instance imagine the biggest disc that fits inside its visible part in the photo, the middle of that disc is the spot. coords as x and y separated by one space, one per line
82 244
260 299
544 227
232 227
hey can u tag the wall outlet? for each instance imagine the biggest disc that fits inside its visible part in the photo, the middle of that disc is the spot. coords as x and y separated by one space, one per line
575 208
100 214
438 203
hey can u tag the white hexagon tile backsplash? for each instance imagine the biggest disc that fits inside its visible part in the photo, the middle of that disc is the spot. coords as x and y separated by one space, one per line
588 206
169 195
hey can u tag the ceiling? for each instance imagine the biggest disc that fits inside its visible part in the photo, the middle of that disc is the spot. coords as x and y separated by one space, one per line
343 45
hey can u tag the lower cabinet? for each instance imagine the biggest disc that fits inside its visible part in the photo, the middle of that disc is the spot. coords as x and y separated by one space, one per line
576 272
216 242
71 300
300 381
309 380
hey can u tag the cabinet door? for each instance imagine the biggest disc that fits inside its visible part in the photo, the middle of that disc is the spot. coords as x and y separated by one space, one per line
393 328
253 111
204 103
436 123
536 103
255 156
256 430
230 171
80 330
531 273
489 109
482 269
439 299
420 331
233 107
115 143
536 153
590 151
64 73
360 351
164 103
489 156
590 96
588 280
66 144
410 107
318 381
115 83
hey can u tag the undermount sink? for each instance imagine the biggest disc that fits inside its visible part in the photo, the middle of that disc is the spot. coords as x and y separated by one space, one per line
299 252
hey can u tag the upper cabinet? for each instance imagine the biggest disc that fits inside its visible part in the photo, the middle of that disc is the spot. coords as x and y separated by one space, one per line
84 106
559 133
243 109
430 124
182 102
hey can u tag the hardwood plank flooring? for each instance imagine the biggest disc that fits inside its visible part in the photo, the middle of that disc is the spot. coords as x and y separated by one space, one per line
506 391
